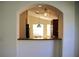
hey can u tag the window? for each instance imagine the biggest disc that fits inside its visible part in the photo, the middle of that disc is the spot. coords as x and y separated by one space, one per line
38 31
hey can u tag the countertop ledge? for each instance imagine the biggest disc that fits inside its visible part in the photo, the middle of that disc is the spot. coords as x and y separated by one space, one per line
36 39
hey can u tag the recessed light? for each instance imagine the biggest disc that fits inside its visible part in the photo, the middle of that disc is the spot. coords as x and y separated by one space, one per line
39 5
45 14
37 12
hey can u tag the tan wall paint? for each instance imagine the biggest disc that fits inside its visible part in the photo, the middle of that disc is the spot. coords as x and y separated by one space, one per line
60 26
22 24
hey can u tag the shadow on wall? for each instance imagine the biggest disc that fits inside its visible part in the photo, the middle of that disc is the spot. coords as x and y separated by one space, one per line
57 48
77 29
1 47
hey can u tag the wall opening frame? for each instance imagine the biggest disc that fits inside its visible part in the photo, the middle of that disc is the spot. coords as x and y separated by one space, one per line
24 26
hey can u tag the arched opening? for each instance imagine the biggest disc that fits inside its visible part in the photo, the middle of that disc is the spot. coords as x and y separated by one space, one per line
40 21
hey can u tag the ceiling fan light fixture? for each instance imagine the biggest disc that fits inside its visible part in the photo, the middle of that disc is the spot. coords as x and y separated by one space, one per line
38 25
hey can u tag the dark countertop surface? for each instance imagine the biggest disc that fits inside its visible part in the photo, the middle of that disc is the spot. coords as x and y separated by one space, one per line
36 39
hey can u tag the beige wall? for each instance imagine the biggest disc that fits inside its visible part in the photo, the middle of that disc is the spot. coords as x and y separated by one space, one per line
60 26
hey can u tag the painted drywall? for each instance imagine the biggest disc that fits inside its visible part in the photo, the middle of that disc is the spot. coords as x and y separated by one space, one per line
69 30
35 48
1 31
77 29
39 48
10 28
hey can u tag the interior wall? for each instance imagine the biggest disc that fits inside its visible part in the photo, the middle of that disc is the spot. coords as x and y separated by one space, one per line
10 30
69 30
35 48
1 30
77 29
60 26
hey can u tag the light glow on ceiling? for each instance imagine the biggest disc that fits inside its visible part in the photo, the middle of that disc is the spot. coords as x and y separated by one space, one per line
45 14
39 5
